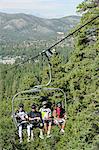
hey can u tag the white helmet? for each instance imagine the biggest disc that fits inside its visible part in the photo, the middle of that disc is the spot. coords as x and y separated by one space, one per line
44 103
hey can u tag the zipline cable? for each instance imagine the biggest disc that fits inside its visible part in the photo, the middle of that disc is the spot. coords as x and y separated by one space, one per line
48 49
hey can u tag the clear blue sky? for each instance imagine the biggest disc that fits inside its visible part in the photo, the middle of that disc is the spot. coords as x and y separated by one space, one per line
41 8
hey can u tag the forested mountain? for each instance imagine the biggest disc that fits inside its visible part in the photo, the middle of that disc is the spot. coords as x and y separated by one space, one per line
24 35
78 77
20 27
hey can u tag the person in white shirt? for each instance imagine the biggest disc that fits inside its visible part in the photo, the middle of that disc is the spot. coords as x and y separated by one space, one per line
46 116
21 118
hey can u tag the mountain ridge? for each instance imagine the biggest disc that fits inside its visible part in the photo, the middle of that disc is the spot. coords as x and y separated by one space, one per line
15 27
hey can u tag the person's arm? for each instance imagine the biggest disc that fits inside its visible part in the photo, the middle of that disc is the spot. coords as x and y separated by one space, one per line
26 116
65 115
49 114
16 113
40 118
29 116
54 114
31 119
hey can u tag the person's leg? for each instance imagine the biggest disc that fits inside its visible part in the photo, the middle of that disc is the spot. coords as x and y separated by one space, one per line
63 125
45 127
59 125
41 133
41 125
49 129
29 131
20 133
32 135
56 121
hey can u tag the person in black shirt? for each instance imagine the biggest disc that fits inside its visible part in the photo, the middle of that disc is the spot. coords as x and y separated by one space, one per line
35 119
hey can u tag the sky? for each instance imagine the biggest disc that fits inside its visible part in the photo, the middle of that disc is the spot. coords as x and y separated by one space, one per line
41 8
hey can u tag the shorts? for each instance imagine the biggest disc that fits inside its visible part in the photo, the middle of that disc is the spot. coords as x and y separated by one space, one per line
23 124
59 121
47 121
37 125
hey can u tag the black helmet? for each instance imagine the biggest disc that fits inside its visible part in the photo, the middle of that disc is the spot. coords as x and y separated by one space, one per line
33 106
21 105
43 98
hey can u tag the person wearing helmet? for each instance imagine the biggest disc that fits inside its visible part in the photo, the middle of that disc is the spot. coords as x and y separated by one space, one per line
21 118
46 116
59 117
36 121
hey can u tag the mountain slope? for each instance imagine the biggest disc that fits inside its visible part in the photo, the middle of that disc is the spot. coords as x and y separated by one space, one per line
23 27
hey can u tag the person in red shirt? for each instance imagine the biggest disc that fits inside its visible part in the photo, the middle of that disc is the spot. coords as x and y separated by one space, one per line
60 117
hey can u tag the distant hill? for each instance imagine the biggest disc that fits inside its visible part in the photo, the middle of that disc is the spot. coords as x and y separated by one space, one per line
19 27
